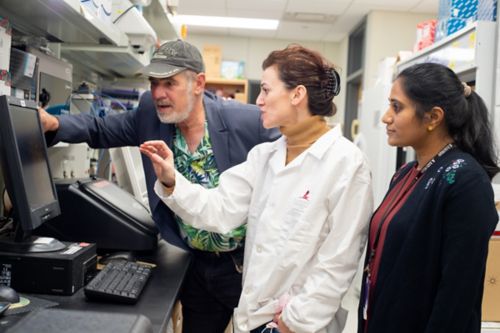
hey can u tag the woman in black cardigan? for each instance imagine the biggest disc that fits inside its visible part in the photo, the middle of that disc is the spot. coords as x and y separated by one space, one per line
428 242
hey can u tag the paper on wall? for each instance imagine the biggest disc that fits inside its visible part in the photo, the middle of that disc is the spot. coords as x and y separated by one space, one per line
5 43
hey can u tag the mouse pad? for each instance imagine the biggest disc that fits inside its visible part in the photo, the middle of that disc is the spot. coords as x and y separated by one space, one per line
28 303
23 301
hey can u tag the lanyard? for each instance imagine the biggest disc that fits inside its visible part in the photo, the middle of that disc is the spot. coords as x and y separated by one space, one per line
397 198
390 206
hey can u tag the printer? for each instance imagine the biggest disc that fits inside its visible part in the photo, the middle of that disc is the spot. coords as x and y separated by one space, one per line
98 211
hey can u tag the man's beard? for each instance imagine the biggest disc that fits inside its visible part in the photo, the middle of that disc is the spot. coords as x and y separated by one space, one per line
178 117
175 117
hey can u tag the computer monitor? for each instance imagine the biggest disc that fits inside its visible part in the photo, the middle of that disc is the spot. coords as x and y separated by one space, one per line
127 165
27 176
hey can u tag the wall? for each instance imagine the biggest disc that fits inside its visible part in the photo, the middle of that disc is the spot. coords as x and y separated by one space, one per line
382 42
254 50
342 63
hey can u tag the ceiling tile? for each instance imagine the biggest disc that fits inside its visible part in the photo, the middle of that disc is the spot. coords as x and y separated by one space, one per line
356 9
426 6
254 5
345 14
301 31
200 6
252 33
346 23
207 30
270 14
327 7
205 11
334 37
391 5
406 3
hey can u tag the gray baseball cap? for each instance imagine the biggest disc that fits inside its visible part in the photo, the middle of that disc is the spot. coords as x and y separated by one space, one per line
173 57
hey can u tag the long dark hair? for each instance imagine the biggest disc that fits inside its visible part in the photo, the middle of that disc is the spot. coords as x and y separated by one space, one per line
298 65
466 116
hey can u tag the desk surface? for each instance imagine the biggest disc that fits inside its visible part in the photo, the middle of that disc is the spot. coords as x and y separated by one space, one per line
157 299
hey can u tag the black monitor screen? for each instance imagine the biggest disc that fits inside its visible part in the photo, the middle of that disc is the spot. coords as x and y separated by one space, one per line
25 164
31 151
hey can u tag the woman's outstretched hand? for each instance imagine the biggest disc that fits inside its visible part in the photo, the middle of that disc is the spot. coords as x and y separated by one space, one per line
162 159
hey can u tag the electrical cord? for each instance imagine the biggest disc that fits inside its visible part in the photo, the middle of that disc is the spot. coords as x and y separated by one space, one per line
125 12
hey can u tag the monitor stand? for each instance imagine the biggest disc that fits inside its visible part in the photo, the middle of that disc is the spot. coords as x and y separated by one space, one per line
19 242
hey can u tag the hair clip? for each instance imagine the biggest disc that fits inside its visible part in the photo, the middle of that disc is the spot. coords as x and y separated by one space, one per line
467 89
332 82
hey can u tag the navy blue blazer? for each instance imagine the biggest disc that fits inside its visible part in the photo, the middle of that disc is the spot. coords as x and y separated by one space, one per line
234 129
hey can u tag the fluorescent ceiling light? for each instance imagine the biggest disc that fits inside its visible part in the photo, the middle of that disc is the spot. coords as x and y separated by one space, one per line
226 22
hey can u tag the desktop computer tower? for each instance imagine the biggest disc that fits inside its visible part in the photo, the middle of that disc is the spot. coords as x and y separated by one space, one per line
61 272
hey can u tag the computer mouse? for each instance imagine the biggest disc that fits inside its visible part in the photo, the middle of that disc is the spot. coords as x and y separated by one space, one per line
128 256
7 294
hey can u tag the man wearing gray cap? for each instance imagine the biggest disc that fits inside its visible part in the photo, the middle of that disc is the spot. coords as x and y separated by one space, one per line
207 135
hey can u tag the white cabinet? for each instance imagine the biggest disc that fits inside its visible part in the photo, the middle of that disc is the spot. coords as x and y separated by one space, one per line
157 15
107 60
64 21
96 44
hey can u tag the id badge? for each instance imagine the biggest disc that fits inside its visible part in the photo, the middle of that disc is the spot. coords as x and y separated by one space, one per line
366 296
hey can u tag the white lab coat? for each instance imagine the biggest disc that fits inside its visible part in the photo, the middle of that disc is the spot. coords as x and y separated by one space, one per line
307 227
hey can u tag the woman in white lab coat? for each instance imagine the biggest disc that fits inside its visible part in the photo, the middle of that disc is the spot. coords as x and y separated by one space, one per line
306 199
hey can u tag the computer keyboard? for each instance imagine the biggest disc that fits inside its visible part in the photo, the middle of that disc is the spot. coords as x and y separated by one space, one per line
119 281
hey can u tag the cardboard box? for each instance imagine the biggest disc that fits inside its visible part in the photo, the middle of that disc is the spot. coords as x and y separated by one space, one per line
491 296
457 9
453 15
212 57
487 10
448 26
426 34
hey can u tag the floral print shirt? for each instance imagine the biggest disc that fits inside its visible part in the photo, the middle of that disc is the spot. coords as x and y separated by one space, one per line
200 168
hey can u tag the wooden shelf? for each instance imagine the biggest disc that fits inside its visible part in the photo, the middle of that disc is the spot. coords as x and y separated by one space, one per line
231 88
